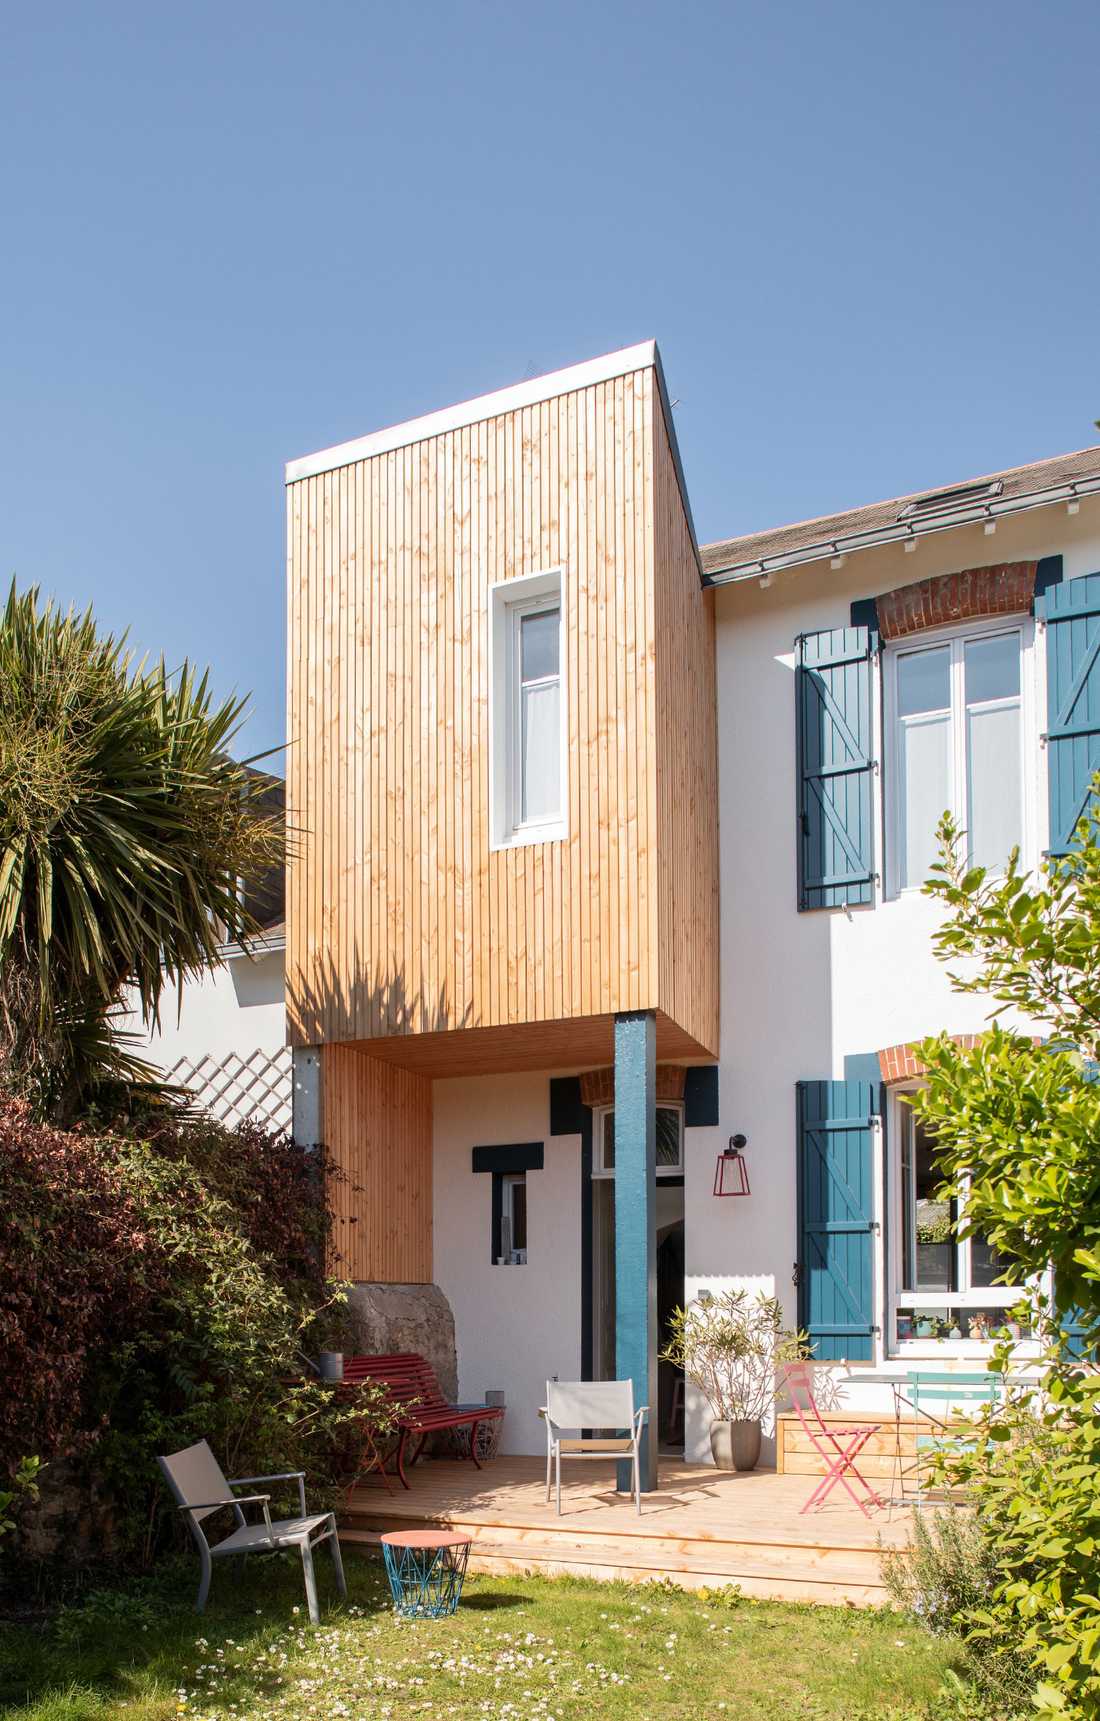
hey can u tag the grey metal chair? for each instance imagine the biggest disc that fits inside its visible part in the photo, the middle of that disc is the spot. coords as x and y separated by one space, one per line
579 1404
199 1487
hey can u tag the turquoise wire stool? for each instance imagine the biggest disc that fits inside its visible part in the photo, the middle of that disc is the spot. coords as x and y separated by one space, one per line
426 1569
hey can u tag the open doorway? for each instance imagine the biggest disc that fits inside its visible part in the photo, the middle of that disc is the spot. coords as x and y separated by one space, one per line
668 1413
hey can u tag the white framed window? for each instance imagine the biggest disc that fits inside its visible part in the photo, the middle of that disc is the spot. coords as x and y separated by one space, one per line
528 711
670 1141
959 737
945 1293
513 1219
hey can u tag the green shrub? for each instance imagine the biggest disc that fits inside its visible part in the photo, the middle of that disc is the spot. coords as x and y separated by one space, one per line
158 1291
946 1576
1017 1127
23 1491
946 1567
1033 1478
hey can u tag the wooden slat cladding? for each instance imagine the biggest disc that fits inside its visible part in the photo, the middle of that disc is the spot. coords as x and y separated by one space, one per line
687 766
402 919
378 1132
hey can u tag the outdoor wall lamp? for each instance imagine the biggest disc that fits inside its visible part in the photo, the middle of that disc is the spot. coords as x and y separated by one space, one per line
731 1176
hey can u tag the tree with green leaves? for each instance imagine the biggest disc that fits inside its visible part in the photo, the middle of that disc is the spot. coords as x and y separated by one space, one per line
1017 1118
1017 1126
125 830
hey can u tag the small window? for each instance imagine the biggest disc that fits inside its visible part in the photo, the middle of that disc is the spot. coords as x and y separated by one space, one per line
956 710
528 711
670 1142
947 1290
536 719
513 1219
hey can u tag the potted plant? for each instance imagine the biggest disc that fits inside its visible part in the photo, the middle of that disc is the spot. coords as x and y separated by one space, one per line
729 1346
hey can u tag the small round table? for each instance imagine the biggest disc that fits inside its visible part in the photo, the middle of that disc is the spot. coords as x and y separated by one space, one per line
425 1569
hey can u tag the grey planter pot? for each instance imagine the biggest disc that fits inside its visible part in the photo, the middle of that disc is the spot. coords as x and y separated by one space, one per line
330 1365
735 1445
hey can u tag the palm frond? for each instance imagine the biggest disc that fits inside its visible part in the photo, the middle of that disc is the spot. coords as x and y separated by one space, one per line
125 822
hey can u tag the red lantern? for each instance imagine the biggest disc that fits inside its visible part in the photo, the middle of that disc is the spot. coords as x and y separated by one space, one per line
731 1176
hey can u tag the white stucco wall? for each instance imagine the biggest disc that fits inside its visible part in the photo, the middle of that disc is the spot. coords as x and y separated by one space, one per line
801 993
238 1008
516 1327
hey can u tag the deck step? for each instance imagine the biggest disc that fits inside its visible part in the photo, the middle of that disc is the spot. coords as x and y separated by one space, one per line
702 1527
758 1577
761 1569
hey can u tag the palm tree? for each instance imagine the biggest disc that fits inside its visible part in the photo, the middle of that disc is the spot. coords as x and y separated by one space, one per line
125 830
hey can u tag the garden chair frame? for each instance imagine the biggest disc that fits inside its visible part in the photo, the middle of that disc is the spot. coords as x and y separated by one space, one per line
838 1447
199 1487
580 1404
945 1388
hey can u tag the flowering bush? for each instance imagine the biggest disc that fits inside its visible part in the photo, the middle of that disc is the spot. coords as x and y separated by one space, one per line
157 1290
729 1347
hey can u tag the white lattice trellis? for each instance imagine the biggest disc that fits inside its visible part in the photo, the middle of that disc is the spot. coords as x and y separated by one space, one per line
233 1089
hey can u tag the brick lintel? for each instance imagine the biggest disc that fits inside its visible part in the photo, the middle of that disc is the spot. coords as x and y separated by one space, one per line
1005 588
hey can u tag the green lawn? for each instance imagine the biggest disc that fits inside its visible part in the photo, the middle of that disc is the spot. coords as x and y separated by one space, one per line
519 1649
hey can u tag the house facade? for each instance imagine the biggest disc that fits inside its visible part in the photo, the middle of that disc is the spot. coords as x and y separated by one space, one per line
607 848
224 1039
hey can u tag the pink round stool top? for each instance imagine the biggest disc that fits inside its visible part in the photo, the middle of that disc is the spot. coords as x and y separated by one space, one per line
424 1539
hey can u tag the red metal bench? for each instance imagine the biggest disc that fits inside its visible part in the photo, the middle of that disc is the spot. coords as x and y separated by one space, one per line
422 1409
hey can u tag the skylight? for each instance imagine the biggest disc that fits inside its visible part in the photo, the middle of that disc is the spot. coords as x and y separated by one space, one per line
959 496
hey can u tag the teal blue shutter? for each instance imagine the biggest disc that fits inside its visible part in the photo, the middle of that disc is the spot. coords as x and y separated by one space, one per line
1079 1342
836 1144
836 849
1072 613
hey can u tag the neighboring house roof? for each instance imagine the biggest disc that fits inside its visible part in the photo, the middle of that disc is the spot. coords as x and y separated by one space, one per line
1019 488
265 898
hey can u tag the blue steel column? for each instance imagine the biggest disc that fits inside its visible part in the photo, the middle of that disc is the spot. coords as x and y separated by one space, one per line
636 1224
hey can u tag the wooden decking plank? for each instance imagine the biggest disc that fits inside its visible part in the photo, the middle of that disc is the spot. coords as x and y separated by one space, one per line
701 1526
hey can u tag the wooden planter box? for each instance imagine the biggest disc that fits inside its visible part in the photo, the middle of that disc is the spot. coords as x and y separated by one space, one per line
795 1454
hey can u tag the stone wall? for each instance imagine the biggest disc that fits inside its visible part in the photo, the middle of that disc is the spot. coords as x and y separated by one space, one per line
390 1318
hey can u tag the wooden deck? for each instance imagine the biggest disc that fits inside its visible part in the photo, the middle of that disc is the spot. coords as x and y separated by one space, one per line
701 1528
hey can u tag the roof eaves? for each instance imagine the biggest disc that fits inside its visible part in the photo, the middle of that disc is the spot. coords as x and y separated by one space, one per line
841 543
674 447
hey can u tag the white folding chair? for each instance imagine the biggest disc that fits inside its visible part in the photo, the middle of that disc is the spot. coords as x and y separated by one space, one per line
199 1487
574 1405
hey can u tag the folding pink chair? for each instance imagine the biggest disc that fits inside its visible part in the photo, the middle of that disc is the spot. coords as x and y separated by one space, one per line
839 1447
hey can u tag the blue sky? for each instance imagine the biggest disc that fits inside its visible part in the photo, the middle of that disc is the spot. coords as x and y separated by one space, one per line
864 235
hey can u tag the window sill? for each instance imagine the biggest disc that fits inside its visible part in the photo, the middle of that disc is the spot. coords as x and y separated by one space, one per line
954 1350
531 837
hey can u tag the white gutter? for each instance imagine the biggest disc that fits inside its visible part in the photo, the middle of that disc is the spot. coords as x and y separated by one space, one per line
844 543
264 944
